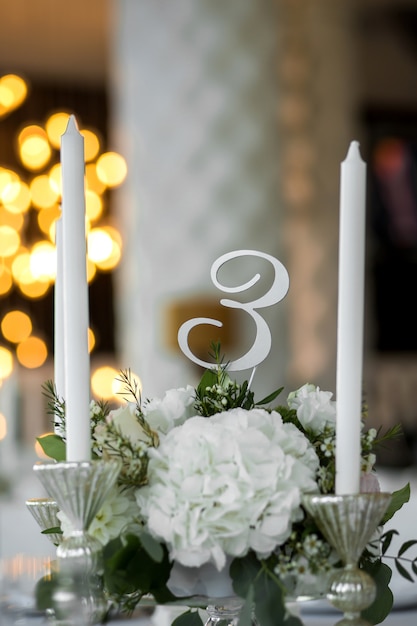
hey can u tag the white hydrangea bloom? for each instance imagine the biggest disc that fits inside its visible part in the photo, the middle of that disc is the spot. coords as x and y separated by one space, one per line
315 408
173 409
225 485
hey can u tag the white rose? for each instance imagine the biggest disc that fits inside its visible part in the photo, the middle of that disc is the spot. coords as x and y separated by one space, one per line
315 408
127 423
175 407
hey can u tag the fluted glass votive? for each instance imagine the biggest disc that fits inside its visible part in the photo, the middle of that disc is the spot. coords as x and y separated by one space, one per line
348 523
79 490
44 511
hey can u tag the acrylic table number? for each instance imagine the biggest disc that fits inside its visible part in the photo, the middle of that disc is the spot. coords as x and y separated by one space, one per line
262 343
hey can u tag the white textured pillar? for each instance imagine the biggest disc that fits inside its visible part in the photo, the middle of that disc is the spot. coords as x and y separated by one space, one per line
194 86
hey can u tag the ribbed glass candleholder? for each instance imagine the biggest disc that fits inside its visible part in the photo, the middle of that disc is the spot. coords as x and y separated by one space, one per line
79 489
348 523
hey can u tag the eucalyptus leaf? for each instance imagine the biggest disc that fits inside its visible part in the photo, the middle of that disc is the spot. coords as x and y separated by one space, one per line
401 570
406 546
53 446
386 540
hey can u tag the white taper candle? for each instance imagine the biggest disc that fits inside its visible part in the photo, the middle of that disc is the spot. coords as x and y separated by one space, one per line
75 296
350 321
59 369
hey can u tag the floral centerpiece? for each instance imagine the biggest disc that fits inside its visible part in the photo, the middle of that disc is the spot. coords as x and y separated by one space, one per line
209 499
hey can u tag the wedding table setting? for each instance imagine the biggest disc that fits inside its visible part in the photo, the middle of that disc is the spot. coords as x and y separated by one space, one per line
206 505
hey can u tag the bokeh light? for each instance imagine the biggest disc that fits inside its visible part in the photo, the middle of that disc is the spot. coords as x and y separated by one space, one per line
55 126
43 194
13 92
3 427
6 363
34 148
102 382
91 340
16 326
32 352
43 261
6 281
9 241
111 169
16 197
31 202
91 144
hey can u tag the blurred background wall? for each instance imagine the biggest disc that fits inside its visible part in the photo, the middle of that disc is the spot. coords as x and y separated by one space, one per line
232 119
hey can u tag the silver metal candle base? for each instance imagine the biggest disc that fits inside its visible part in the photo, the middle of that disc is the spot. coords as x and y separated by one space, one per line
79 489
348 523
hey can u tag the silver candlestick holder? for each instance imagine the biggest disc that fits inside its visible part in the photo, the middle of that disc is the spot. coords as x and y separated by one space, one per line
348 523
79 490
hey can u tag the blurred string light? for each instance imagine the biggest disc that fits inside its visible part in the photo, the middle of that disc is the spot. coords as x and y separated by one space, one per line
107 384
13 92
28 264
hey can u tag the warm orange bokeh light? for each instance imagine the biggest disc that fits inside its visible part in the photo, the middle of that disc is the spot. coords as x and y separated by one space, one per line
16 197
55 126
13 91
16 326
6 281
91 144
43 194
9 241
32 352
102 382
111 169
34 148
91 340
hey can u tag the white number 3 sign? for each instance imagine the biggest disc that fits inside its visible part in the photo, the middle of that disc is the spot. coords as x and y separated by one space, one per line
262 344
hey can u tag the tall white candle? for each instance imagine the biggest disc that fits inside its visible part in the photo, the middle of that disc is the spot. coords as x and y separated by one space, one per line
59 369
75 296
350 321
58 316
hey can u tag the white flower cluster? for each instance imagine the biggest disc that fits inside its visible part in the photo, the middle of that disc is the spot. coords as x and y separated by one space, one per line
226 484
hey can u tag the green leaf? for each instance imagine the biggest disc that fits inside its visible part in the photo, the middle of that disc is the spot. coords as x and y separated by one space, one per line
406 546
245 617
53 446
383 602
271 397
414 566
152 547
386 539
129 568
189 618
253 578
243 572
208 379
56 530
401 570
44 590
399 498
